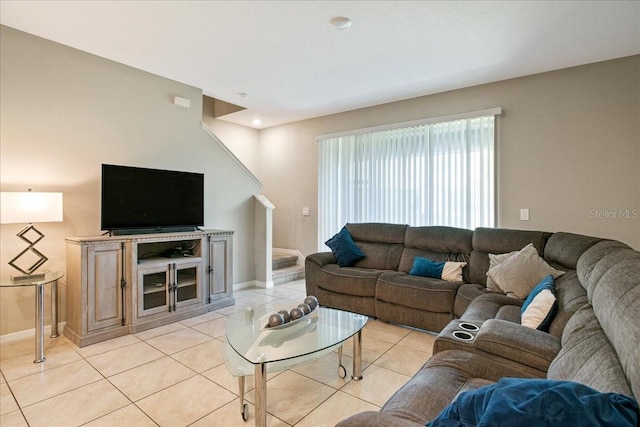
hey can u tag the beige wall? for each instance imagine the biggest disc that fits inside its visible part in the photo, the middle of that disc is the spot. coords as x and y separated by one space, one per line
569 150
64 113
241 140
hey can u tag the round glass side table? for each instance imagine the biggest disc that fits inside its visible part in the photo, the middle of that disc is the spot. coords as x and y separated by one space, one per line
50 277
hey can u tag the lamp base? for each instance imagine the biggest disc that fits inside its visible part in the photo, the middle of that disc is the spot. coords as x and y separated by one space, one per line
15 279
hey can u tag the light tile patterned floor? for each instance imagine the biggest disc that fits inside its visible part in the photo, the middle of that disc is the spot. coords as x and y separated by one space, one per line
175 376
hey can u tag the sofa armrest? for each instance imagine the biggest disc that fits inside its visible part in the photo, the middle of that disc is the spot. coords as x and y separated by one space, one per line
376 419
322 258
312 265
515 342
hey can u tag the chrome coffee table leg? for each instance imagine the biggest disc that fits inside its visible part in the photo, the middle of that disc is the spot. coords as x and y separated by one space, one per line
342 372
244 408
357 356
261 394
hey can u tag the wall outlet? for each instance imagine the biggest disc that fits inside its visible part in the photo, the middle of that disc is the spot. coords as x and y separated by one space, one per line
305 212
524 214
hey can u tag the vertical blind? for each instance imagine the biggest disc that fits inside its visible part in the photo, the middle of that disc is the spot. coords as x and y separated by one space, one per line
427 174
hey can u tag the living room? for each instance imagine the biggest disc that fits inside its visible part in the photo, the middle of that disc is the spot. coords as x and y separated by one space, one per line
568 148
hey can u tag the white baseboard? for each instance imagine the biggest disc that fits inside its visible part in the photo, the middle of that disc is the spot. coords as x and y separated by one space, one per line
28 334
253 284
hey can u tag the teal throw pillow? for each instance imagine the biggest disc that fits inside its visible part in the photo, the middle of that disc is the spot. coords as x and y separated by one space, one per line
427 268
344 248
541 306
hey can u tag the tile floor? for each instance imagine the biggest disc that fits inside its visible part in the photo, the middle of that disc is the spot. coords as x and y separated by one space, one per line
175 376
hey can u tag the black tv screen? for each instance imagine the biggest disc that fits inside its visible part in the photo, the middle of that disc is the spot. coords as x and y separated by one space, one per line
138 198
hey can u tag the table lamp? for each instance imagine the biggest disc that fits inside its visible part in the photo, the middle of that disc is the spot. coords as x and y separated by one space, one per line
29 207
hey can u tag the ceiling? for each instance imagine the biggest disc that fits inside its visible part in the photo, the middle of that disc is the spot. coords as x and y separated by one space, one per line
294 65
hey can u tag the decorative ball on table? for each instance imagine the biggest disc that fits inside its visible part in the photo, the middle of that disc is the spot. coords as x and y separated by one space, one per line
296 313
305 308
311 301
286 315
276 320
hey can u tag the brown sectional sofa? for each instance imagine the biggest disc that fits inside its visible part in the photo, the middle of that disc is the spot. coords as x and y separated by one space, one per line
592 340
379 285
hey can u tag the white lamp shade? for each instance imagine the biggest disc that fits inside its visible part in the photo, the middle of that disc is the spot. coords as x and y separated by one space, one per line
29 207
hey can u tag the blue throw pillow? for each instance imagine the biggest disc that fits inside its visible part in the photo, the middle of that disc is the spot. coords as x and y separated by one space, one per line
541 306
344 248
531 402
426 267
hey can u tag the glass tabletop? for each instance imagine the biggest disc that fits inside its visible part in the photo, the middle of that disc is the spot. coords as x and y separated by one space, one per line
320 330
49 276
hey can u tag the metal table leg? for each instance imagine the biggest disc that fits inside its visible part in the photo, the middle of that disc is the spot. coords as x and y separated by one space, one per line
39 324
54 310
244 408
357 356
261 394
342 372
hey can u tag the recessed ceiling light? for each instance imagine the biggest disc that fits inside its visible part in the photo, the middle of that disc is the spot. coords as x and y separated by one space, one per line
256 122
340 23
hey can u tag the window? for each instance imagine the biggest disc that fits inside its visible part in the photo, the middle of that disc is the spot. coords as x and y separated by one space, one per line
438 173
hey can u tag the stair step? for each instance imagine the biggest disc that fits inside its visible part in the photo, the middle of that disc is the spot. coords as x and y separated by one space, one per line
288 274
280 260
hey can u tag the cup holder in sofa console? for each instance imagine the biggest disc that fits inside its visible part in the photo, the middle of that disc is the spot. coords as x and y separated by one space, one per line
469 327
463 335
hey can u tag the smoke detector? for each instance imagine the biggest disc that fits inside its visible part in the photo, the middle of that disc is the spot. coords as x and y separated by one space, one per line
340 23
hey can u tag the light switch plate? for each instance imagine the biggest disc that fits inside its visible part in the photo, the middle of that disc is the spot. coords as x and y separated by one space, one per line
524 214
305 212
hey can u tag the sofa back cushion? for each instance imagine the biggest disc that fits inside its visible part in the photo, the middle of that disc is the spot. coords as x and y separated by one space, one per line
613 288
587 356
600 341
564 249
597 260
438 244
498 241
381 243
570 297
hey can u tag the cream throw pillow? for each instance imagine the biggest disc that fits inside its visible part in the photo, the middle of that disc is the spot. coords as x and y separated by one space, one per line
521 272
494 260
539 309
452 271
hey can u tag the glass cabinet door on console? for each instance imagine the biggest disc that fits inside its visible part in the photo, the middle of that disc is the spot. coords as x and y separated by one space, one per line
187 284
153 290
167 288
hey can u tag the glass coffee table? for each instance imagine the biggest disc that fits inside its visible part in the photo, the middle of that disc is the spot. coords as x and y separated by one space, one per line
254 349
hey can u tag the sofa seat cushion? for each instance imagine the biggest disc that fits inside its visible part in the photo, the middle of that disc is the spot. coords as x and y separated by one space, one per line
441 379
348 280
467 293
425 293
491 305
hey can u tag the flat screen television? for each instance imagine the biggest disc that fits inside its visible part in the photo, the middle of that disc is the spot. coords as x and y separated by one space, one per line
140 200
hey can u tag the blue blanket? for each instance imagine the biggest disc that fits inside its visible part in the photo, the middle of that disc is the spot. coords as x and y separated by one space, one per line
531 402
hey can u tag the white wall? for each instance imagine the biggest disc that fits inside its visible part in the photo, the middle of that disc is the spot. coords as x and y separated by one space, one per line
569 148
64 113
